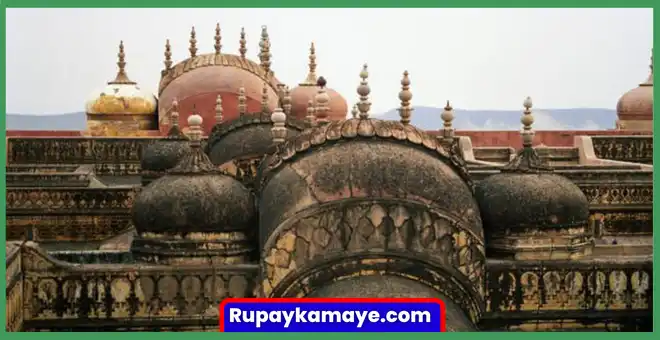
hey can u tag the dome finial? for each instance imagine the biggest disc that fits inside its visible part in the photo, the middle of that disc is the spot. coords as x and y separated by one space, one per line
122 77
527 120
649 80
322 99
355 111
448 117
527 159
168 55
311 117
363 90
175 131
217 37
311 78
242 101
218 109
264 99
243 43
278 131
264 54
193 43
195 126
286 101
405 111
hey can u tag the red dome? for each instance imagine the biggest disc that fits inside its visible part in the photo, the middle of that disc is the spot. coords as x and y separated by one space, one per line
196 83
301 95
637 104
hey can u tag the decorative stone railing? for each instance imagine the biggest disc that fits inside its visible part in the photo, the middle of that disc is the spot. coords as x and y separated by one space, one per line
577 289
60 295
636 149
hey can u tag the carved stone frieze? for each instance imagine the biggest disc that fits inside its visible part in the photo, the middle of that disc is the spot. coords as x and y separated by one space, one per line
636 149
612 194
621 223
68 201
66 228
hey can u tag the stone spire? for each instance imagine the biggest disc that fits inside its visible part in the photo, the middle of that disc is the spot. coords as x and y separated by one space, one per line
175 131
168 55
363 90
311 117
218 109
354 112
322 100
122 77
405 111
447 117
311 78
218 38
243 44
527 160
264 99
278 131
286 101
242 101
193 43
264 53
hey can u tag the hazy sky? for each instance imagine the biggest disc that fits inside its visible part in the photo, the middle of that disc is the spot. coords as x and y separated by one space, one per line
477 58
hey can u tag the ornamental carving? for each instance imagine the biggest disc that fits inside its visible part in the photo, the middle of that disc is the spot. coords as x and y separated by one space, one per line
45 201
636 149
613 194
66 228
342 230
585 285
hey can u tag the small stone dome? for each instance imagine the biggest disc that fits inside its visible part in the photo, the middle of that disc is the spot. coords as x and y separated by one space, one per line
527 199
194 199
309 88
637 104
164 154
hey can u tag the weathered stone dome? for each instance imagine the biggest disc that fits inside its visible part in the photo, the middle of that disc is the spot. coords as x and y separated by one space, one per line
164 154
635 108
177 214
196 83
534 199
246 137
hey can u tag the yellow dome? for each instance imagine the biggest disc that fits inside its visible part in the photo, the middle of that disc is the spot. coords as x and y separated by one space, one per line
121 98
122 95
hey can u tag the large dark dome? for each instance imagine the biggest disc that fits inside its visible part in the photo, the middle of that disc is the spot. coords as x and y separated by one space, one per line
164 154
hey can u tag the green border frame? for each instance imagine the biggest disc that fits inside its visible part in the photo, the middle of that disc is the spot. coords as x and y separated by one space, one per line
322 3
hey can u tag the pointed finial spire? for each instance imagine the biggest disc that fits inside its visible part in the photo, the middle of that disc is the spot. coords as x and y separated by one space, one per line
278 131
286 101
322 99
311 78
193 43
264 99
168 55
217 37
649 80
527 160
175 131
242 101
264 46
448 117
527 120
405 111
218 109
122 77
311 117
354 112
243 43
363 90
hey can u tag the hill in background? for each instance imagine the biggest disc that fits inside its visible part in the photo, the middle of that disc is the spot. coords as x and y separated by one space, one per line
424 117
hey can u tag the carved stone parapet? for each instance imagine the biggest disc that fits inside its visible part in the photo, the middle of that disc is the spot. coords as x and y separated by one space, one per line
635 149
77 228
